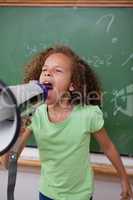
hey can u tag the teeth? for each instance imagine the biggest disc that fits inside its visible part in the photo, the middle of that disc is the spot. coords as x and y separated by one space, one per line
48 85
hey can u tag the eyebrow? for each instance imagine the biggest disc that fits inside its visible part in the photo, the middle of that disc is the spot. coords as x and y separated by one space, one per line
45 66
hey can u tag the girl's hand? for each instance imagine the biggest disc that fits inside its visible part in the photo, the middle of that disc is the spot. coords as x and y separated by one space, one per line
113 155
25 121
127 193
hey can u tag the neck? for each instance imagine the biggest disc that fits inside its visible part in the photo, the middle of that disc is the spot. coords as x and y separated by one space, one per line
60 107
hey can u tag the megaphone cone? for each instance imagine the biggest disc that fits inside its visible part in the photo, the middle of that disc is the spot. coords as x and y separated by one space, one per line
9 119
15 102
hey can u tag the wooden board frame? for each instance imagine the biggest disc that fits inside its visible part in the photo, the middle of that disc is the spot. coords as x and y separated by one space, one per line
99 169
68 3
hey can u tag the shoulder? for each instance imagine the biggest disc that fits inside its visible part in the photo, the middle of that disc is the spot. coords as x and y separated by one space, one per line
97 119
90 109
95 112
90 112
94 109
39 111
37 116
92 116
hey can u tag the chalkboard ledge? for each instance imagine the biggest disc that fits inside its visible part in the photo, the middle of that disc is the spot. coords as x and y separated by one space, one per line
101 165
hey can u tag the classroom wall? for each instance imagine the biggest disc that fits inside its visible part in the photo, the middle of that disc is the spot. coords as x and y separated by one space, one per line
26 185
27 182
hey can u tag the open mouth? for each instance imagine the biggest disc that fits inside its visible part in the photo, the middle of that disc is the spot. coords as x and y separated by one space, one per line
49 86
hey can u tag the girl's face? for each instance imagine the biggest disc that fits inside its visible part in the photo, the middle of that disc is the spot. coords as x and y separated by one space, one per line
57 71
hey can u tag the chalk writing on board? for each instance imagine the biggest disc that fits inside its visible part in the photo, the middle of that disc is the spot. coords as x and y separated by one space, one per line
122 137
105 114
33 48
128 59
114 40
110 17
30 49
123 101
98 61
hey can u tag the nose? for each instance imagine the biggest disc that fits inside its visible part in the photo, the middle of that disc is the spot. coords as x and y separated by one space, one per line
47 73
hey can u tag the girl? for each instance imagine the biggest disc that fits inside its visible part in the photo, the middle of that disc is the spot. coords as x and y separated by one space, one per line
64 124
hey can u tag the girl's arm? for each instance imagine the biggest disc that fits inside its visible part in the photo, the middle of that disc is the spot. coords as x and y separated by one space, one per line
24 136
113 155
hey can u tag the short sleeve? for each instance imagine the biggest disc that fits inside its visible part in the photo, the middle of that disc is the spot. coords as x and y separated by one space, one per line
97 120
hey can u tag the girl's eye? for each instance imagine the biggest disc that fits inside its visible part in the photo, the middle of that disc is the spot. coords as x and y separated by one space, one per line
44 70
58 70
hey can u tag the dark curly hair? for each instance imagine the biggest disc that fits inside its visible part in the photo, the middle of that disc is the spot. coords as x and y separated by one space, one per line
85 81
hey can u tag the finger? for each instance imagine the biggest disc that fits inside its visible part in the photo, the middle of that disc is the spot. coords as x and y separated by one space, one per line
125 196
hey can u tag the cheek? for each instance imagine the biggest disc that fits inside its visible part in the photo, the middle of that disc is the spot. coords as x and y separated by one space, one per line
41 78
63 85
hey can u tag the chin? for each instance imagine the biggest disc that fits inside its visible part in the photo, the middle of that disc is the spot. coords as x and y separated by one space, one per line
52 98
50 101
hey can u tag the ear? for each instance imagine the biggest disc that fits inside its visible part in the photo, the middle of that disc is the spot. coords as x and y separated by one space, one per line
71 87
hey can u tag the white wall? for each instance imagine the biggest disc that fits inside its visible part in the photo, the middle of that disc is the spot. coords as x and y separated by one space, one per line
27 183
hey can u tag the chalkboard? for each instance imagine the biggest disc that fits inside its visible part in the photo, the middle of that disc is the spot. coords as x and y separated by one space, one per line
103 36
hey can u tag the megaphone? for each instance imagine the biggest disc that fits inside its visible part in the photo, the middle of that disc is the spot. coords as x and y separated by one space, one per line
16 102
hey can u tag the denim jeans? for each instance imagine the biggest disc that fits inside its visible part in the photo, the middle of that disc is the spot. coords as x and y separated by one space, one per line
42 197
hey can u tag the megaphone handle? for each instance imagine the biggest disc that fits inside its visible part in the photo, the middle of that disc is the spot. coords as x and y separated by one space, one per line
12 170
12 173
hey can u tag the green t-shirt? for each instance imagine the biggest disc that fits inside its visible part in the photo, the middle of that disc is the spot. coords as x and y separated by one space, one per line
66 172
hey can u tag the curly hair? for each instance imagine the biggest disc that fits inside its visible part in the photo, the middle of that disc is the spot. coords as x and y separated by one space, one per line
85 81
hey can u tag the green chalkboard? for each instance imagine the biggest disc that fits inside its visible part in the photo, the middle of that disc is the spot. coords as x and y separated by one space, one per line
103 36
